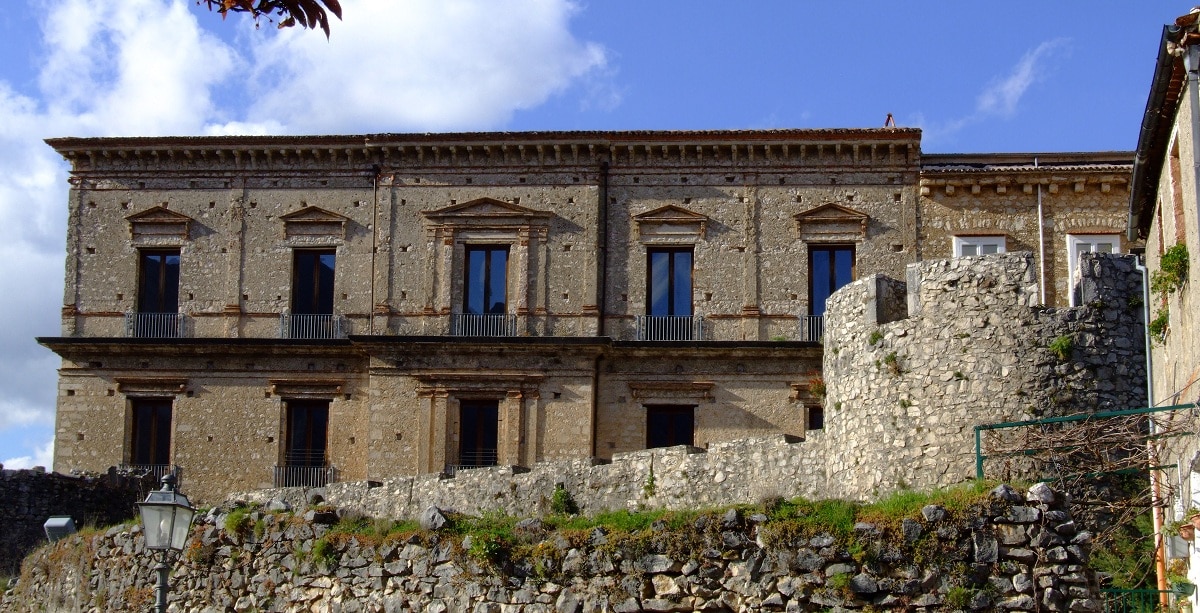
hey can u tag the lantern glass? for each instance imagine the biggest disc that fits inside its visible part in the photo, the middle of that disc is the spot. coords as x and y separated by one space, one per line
156 522
166 518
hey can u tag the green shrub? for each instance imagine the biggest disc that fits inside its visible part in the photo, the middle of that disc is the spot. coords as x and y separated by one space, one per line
1172 270
238 521
1159 325
562 502
959 597
323 552
892 361
1061 347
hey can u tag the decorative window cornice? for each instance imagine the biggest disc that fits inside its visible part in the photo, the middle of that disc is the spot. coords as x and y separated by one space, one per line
832 222
671 224
151 386
157 223
314 222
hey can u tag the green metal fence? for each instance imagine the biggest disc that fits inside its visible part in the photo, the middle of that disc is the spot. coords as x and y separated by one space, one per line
1132 601
1078 417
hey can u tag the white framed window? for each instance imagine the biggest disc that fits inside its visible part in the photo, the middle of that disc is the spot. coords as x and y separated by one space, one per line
977 245
1088 243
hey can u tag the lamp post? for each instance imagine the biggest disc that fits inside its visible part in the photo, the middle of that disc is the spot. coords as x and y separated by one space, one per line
166 521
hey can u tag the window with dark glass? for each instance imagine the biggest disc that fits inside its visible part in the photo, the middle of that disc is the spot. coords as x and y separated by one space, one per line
307 432
486 287
669 282
158 281
670 425
816 417
829 268
150 431
478 432
312 282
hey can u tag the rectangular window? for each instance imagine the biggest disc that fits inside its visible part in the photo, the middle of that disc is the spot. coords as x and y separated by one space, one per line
485 291
965 246
312 281
158 281
670 425
478 429
669 282
150 432
307 432
829 268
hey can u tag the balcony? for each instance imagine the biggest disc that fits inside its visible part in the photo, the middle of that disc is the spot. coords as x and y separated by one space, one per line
158 470
466 324
812 328
304 468
478 458
154 325
670 328
311 326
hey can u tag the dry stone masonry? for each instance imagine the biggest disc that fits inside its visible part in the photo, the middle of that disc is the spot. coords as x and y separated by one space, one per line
911 370
29 497
1007 553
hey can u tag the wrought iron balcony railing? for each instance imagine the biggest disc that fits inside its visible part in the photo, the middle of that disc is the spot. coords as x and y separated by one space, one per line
154 325
158 470
305 468
312 326
304 476
467 324
812 328
670 328
479 458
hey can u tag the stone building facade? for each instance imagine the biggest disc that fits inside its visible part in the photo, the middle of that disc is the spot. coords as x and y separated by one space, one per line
1165 194
289 310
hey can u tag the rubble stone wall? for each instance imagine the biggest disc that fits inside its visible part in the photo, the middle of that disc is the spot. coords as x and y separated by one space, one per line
904 395
29 497
1009 552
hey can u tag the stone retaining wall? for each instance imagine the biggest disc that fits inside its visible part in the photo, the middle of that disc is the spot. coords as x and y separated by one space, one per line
29 497
1008 553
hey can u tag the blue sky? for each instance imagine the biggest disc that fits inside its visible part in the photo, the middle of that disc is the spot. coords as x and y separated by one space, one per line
1030 76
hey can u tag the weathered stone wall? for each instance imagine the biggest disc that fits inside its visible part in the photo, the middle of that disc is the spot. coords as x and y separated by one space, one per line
29 497
904 395
1009 553
671 478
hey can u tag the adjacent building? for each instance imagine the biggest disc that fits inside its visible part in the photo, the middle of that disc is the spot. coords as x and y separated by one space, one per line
1163 211
267 311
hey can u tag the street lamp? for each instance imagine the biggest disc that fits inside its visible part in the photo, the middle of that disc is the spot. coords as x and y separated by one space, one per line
166 521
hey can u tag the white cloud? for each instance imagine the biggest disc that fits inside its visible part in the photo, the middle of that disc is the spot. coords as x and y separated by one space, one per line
148 67
419 66
139 67
42 456
1000 98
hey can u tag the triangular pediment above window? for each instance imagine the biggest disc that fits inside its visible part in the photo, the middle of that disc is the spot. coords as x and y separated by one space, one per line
314 221
484 208
486 216
832 222
671 224
159 222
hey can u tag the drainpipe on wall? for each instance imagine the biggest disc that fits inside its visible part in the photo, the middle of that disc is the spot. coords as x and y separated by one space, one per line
1042 243
376 170
1156 503
602 249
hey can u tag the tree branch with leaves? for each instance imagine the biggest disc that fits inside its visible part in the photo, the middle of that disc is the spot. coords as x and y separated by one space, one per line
309 14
